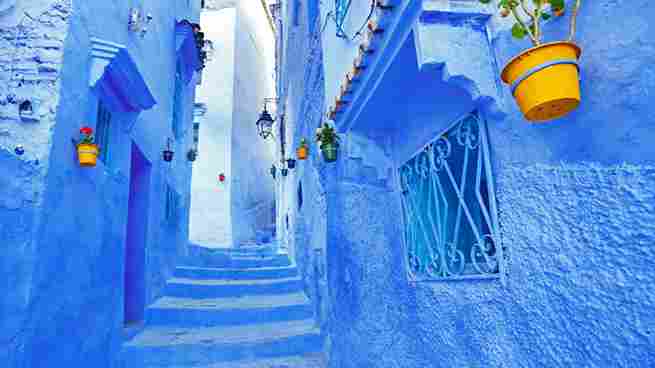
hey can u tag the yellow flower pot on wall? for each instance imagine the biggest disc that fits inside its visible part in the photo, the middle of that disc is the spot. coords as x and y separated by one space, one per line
545 80
87 154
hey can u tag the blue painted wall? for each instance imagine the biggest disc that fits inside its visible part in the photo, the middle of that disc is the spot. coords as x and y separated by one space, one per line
64 227
575 199
211 218
252 192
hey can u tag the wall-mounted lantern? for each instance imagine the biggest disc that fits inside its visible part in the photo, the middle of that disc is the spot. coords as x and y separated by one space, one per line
138 22
168 152
192 155
265 122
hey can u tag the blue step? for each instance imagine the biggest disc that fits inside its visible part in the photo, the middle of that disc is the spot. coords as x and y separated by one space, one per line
278 260
174 346
235 273
213 288
169 311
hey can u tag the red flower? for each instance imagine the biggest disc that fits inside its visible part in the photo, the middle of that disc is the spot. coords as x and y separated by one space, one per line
86 130
221 177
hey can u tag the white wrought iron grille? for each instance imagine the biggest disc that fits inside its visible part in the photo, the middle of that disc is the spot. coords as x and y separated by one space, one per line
449 206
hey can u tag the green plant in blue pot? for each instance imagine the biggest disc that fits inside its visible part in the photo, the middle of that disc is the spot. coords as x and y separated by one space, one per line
328 139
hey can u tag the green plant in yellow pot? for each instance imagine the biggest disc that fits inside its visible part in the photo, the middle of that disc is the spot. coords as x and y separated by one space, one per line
544 79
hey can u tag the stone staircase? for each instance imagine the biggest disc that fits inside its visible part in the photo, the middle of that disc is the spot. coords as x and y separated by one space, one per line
247 312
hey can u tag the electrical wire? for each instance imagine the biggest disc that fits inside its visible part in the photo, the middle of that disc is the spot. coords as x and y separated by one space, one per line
361 29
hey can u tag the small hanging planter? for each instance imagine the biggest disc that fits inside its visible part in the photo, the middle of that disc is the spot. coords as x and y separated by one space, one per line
284 171
291 163
273 171
329 141
221 178
330 152
192 155
545 79
302 152
168 153
87 150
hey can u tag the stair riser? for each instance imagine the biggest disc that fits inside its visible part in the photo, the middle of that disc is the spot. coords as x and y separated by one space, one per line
224 274
280 261
224 291
243 262
193 355
211 318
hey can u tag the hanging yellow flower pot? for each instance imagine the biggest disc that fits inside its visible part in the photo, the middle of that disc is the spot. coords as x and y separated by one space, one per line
87 154
87 150
544 80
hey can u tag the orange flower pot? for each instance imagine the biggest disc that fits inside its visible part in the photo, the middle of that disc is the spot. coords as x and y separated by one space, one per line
302 152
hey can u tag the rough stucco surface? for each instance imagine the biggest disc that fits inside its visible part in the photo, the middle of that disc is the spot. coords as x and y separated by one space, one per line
63 227
579 287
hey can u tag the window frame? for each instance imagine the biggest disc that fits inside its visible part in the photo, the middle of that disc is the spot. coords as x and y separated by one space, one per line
492 209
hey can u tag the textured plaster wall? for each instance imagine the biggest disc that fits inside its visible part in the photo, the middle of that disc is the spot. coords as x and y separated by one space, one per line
305 209
211 220
252 192
575 200
64 227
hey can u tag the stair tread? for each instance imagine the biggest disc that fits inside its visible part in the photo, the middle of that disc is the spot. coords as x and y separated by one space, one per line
246 334
220 282
314 360
242 302
240 270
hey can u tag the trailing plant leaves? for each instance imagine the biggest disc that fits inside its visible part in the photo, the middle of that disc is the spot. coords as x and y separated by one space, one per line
518 31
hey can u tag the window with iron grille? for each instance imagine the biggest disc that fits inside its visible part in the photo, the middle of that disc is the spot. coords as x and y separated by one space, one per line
172 203
449 208
102 137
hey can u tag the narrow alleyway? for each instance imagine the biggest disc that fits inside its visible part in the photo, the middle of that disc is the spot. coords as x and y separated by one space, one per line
247 312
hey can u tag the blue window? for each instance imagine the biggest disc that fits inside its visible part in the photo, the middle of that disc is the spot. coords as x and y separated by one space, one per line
102 136
172 203
449 208
178 110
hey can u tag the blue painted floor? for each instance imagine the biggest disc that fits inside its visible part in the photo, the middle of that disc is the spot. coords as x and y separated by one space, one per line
249 311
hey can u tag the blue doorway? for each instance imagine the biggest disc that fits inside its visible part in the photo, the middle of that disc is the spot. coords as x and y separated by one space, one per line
136 240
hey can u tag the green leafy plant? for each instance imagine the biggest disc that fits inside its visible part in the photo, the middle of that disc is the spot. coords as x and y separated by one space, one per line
304 143
327 135
529 15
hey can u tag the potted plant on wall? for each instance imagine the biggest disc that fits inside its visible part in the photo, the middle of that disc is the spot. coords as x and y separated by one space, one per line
327 136
87 150
168 153
303 150
544 79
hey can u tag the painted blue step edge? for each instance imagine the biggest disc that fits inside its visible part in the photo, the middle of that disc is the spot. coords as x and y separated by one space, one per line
195 354
204 291
235 274
196 317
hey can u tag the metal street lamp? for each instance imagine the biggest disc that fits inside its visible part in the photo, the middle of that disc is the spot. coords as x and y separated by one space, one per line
265 122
